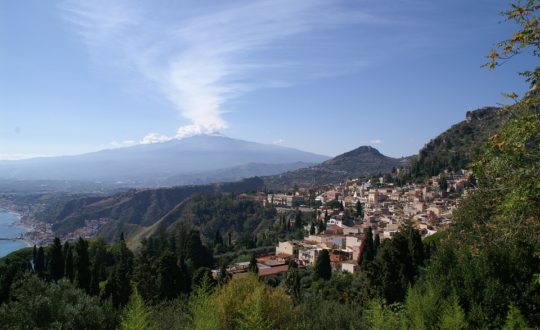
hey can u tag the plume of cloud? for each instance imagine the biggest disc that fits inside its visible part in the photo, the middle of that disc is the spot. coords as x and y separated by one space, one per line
151 138
201 58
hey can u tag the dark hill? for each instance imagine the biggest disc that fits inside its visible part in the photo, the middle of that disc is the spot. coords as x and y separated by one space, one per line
455 148
362 161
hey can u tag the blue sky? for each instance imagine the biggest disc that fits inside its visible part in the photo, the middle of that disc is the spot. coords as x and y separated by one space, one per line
324 76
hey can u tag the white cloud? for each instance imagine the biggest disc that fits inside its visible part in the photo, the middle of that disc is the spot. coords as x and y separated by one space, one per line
123 144
201 58
376 141
151 138
278 141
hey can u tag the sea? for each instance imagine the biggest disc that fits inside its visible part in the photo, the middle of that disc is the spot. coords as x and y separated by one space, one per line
9 229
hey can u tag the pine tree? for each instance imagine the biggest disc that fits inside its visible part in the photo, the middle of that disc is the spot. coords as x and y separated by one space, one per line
322 268
515 320
56 260
136 315
83 265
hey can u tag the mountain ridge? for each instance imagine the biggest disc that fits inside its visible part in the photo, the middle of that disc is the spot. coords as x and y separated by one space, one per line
147 164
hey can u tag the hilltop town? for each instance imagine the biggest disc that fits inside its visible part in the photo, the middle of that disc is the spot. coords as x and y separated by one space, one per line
346 212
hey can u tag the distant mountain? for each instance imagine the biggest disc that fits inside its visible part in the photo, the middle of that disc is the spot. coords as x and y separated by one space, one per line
362 161
457 146
195 159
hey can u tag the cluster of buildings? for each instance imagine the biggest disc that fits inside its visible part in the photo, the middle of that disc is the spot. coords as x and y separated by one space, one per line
88 231
428 206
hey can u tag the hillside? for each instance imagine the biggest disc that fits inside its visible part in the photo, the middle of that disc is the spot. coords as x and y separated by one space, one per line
362 161
131 211
191 160
457 146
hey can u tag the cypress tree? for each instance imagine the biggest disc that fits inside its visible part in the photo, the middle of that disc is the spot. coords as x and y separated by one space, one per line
292 282
123 273
168 276
144 273
69 262
83 265
320 227
368 251
39 265
218 240
359 210
56 260
312 229
298 220
34 257
196 252
376 243
224 276
322 268
253 268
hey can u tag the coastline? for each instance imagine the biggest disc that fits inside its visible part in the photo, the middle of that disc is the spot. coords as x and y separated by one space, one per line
19 223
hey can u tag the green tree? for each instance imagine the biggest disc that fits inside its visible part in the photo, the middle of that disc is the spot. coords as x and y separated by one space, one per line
39 265
515 320
312 229
83 265
144 273
36 304
253 268
56 260
136 316
298 221
368 250
452 316
292 282
525 15
169 277
224 276
322 268
202 274
118 285
359 210
69 262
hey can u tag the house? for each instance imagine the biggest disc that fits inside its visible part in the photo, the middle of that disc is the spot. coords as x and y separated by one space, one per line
288 248
350 266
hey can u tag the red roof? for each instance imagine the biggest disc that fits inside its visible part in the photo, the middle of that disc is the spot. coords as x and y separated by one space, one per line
273 270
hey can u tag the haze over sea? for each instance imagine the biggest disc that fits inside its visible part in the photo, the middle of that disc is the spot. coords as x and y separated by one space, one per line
9 229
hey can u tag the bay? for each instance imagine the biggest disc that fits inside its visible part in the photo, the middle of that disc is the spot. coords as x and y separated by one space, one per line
9 229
